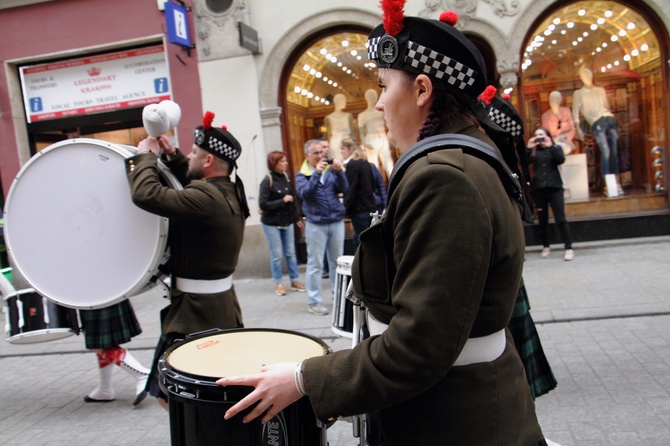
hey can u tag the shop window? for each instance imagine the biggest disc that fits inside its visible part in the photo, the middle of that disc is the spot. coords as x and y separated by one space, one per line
335 65
611 46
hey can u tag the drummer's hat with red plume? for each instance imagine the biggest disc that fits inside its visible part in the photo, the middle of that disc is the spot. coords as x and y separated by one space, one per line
432 47
217 140
502 112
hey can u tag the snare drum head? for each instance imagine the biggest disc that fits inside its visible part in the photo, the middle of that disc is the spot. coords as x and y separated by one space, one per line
241 352
72 229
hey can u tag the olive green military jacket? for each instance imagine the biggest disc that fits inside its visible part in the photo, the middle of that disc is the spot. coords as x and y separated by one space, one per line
444 265
205 238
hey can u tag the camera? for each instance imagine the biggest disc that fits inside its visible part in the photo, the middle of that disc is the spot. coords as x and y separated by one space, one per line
328 160
540 139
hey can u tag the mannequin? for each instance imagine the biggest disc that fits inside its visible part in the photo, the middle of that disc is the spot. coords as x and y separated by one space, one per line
558 120
591 102
339 125
373 134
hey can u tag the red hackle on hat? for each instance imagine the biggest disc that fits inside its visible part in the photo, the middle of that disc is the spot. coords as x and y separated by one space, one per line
488 94
449 17
394 16
207 119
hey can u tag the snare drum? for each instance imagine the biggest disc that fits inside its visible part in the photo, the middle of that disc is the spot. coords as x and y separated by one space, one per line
188 372
343 308
73 231
32 318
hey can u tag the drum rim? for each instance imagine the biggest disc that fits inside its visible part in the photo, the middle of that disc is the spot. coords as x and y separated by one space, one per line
160 255
196 379
63 333
21 291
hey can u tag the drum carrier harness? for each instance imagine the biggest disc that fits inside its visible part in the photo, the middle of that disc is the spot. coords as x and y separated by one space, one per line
471 146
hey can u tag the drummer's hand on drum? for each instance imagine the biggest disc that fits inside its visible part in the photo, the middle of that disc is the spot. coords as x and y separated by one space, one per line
148 144
274 388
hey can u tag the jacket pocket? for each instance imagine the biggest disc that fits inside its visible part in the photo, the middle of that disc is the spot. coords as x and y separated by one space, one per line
373 271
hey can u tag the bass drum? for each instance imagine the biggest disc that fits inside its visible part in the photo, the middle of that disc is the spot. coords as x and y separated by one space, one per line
72 229
33 318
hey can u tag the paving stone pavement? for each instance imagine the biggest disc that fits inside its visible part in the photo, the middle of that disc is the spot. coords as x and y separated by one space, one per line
603 319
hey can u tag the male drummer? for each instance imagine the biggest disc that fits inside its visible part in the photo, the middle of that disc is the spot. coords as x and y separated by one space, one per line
206 230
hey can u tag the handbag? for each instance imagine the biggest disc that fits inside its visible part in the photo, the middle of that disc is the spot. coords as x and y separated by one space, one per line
566 189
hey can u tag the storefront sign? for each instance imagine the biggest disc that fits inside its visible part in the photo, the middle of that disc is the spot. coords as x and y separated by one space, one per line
95 84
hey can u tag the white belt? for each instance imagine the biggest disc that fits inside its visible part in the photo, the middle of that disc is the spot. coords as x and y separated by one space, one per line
483 349
204 286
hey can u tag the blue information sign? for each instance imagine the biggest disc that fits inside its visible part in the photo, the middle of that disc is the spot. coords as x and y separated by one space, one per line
177 24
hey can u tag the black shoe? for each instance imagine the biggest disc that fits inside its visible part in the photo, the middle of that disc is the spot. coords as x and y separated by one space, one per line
140 397
325 275
88 399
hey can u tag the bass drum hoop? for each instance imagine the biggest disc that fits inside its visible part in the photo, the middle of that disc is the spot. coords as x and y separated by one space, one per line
66 237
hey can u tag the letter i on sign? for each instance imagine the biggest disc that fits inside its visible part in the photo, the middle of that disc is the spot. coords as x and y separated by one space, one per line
35 105
180 24
160 85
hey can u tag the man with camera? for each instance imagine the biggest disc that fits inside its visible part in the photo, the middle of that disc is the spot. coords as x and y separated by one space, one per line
319 182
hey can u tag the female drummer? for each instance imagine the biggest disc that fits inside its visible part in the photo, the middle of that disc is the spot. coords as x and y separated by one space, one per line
439 274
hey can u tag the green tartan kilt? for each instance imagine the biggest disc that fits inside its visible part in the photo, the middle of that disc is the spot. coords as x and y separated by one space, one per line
538 371
110 326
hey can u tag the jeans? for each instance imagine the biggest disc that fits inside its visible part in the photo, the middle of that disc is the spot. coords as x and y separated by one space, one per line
552 197
606 134
360 222
323 239
281 241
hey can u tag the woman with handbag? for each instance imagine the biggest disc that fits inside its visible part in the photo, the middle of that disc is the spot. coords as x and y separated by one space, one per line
546 157
278 214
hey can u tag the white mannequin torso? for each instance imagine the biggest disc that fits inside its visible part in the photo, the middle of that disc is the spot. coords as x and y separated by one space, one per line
590 100
339 124
372 129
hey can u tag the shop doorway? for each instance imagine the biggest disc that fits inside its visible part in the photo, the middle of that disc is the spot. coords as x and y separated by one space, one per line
119 127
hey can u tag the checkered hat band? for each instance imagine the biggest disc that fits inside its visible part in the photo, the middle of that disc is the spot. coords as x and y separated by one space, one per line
432 63
373 48
438 65
221 147
505 122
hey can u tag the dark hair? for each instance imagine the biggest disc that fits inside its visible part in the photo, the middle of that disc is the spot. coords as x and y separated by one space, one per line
444 108
545 130
274 158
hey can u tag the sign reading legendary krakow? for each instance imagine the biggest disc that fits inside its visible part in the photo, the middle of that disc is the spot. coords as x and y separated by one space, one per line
95 84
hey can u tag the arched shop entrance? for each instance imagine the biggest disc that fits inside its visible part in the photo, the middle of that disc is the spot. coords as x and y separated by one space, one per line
330 63
326 64
585 50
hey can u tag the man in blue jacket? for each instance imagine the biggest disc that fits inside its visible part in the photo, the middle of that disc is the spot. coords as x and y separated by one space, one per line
319 184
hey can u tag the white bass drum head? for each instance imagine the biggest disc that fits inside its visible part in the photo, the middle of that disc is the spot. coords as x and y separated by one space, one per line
73 231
